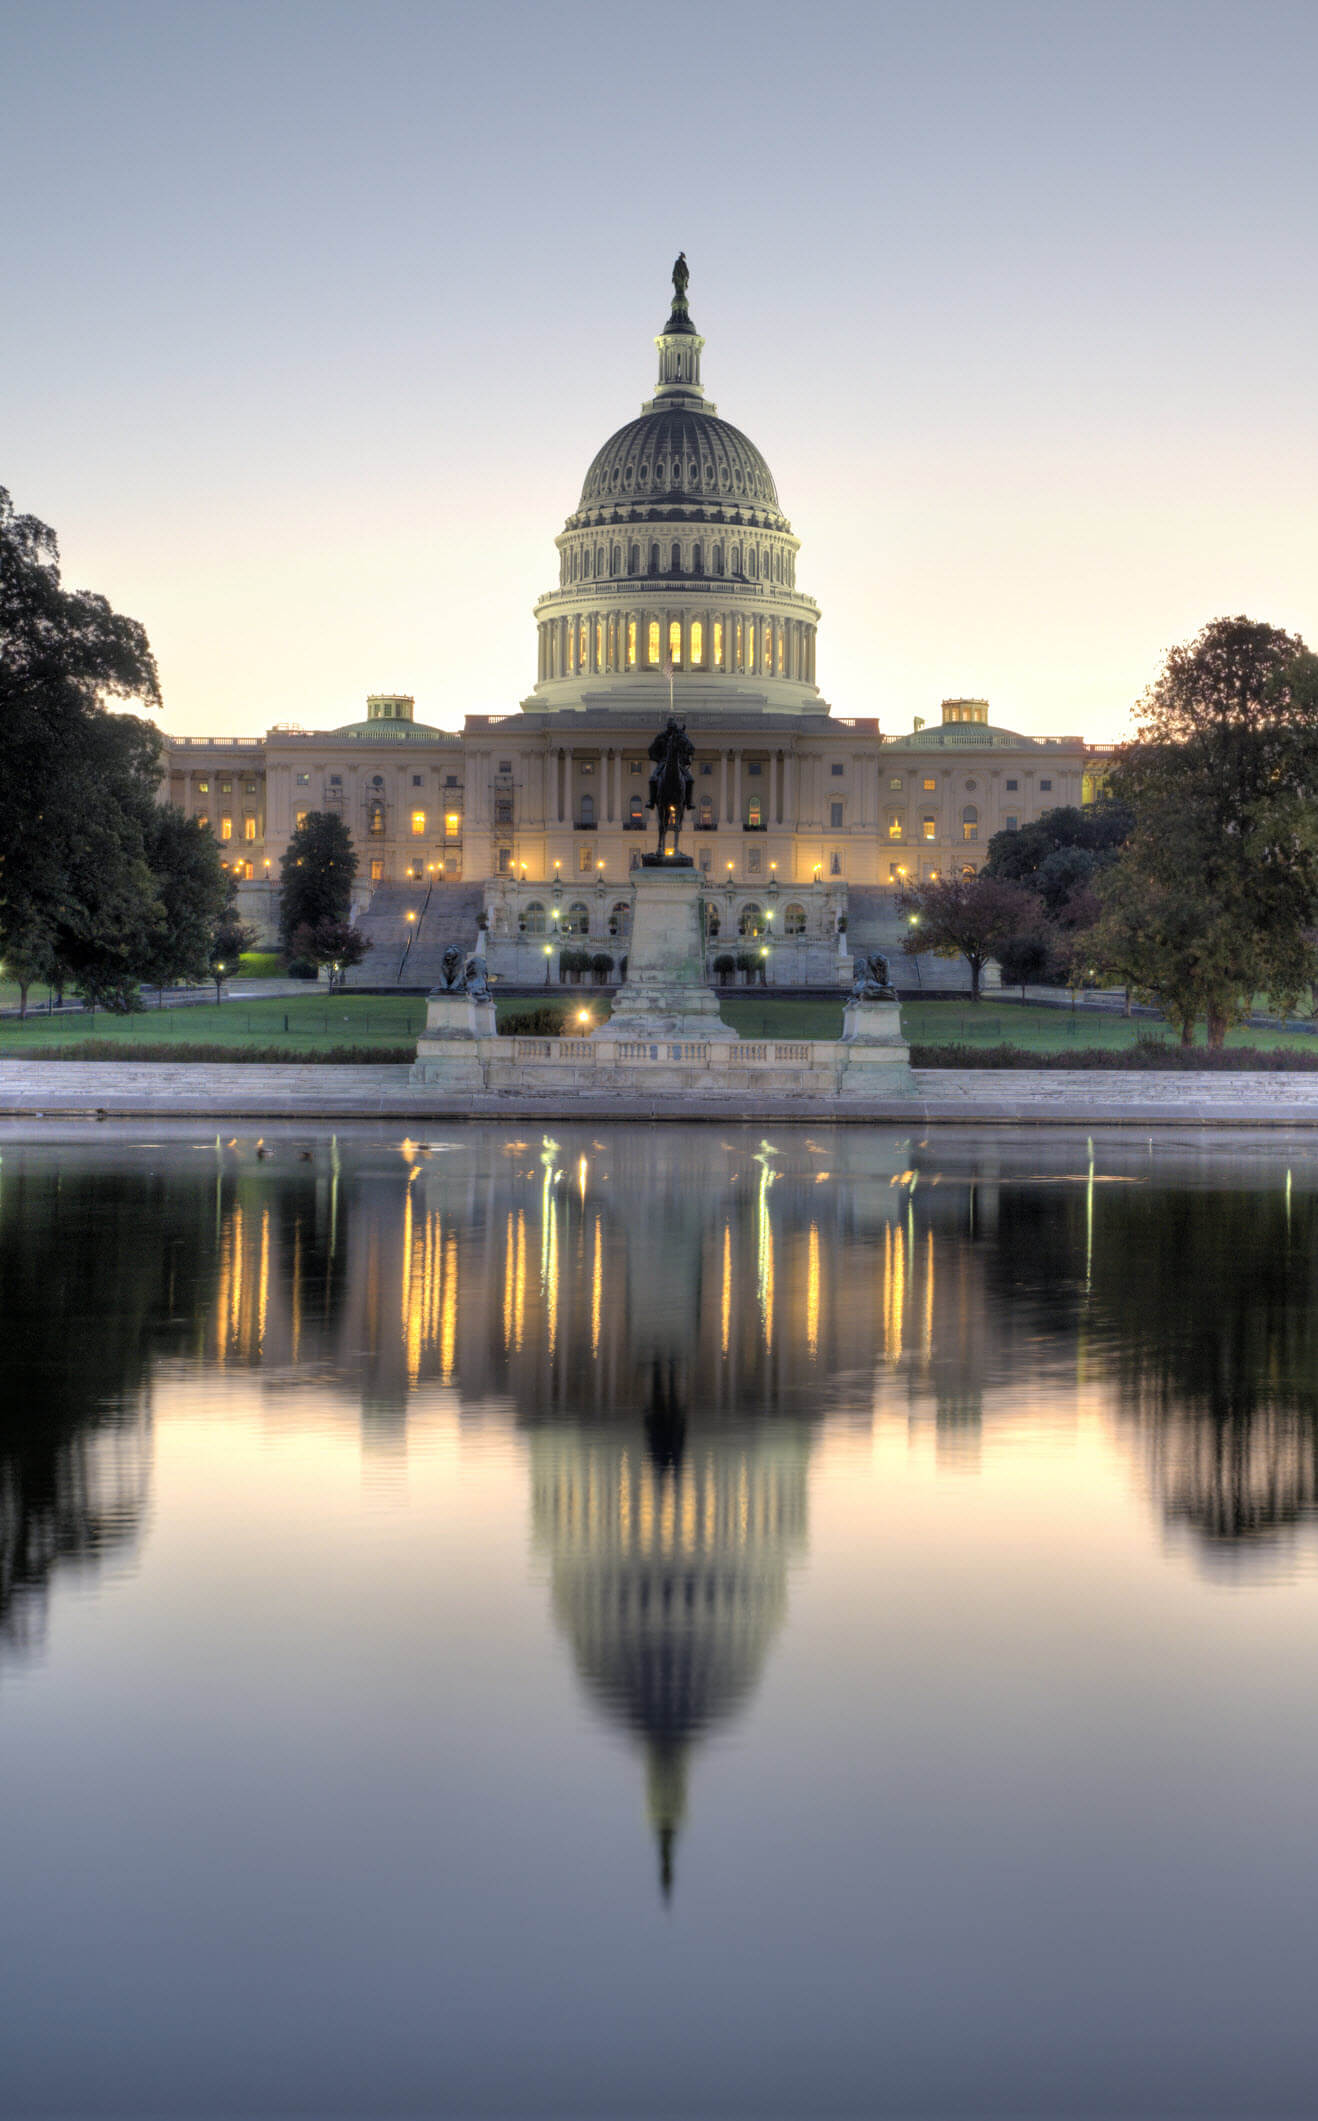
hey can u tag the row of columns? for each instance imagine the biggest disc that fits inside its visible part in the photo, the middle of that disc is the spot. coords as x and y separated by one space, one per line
595 644
782 785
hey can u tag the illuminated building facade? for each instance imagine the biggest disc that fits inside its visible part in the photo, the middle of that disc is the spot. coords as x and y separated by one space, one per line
677 566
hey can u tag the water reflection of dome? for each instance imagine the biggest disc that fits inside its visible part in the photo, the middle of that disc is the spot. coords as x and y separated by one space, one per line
62 1505
670 1579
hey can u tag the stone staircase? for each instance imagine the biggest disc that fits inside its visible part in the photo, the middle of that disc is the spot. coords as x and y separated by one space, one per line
874 922
409 953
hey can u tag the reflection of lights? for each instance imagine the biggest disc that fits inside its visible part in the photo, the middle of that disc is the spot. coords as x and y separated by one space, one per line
581 1171
764 1242
727 1285
596 1285
812 1293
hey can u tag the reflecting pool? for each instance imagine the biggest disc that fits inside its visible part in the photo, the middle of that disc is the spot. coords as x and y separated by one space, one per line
657 1622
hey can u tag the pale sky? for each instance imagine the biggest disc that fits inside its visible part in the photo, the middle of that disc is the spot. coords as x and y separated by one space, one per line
315 315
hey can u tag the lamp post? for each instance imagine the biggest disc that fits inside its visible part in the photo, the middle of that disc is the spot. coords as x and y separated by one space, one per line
549 952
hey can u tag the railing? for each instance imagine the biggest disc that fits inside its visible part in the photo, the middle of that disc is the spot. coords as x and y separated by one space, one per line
602 1051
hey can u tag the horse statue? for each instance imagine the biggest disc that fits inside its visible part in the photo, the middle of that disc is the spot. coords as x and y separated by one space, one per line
672 789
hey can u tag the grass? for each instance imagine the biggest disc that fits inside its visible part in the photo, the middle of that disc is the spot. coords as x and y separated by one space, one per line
768 1016
1038 1029
301 1025
261 964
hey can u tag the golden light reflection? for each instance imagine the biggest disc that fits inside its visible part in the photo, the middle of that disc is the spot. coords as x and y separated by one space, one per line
812 1294
726 1308
597 1289
449 1326
519 1289
509 1258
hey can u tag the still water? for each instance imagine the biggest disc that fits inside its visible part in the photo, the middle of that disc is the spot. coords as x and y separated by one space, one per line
658 1623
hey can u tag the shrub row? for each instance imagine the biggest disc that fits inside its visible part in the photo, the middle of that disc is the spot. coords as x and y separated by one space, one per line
1150 1056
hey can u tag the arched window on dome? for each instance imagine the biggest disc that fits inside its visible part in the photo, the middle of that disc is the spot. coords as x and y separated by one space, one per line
533 918
634 559
718 644
752 563
675 559
697 644
737 646
654 557
599 644
675 643
599 560
717 559
631 644
780 651
652 645
585 565
750 644
616 562
697 558
768 651
734 560
793 919
583 645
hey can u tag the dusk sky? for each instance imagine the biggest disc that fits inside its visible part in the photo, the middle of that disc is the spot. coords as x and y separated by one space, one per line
316 315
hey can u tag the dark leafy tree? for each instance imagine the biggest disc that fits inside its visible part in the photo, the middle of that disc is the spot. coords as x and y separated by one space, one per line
196 898
330 943
315 875
229 939
1216 894
973 917
77 784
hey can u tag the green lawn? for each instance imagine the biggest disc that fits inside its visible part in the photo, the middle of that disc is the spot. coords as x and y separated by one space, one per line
304 1023
767 1016
1044 1030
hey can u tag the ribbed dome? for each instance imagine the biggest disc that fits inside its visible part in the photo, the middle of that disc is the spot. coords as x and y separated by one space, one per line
680 455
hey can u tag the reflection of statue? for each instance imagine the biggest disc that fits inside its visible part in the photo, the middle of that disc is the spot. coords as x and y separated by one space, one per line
672 789
680 277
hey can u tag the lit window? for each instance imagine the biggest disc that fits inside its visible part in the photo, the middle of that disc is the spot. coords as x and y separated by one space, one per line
652 646
930 785
970 823
226 787
697 643
418 824
226 828
718 644
928 828
249 828
584 647
377 870
202 818
631 644
754 811
675 643
751 921
780 651
750 644
375 818
301 819
737 646
894 824
896 783
453 824
599 644
249 871
203 787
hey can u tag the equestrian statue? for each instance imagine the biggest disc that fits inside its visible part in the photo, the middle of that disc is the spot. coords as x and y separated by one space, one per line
671 784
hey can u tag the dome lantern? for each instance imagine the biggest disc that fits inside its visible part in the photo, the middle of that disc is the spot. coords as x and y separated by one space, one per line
680 346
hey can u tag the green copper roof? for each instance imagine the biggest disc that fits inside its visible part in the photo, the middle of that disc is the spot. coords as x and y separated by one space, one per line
386 731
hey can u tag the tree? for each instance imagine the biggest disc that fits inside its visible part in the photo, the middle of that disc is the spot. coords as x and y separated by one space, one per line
331 943
973 917
1216 894
315 875
229 939
77 784
195 895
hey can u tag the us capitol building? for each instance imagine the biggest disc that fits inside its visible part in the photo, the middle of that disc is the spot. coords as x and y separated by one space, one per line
676 565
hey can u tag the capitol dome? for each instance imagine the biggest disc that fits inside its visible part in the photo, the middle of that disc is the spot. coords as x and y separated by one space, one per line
679 456
677 559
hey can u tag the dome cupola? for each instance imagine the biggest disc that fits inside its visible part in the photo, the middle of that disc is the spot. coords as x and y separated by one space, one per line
678 554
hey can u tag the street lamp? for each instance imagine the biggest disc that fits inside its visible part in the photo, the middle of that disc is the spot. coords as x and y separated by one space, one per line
549 952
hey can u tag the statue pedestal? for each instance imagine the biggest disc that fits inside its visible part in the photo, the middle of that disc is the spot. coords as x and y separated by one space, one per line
873 1023
876 1060
448 1051
665 994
